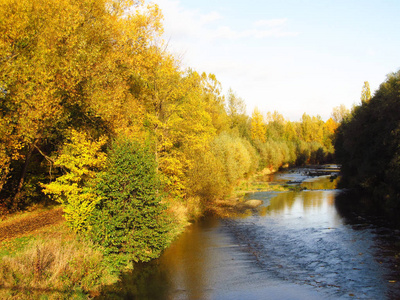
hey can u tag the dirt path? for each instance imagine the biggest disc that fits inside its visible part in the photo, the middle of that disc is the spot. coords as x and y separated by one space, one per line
30 224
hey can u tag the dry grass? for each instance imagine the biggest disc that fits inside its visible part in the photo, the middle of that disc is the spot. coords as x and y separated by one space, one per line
53 266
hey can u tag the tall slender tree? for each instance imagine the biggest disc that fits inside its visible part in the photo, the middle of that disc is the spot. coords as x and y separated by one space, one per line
365 93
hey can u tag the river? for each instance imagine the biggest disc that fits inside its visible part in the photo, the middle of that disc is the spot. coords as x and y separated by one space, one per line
297 245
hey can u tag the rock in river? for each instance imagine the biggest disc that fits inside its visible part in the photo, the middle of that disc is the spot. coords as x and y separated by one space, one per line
252 203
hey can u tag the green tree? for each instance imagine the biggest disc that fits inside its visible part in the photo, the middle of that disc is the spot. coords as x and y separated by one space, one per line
235 156
367 145
130 219
276 125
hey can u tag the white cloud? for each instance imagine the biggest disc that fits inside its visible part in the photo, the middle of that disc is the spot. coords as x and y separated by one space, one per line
270 23
238 56
179 23
257 57
371 52
225 32
210 17
182 23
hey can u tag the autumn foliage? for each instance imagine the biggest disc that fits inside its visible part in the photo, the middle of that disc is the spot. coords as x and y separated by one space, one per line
78 75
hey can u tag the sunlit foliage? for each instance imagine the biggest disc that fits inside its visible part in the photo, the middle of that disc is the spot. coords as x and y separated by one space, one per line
80 160
365 93
77 76
67 64
258 129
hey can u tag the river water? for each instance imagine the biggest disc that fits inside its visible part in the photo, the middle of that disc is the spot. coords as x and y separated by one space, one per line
297 245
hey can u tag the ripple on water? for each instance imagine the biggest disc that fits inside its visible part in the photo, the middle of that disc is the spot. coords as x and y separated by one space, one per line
310 245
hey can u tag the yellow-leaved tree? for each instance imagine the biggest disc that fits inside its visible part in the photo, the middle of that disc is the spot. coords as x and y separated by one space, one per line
80 159
258 129
64 64
331 125
176 117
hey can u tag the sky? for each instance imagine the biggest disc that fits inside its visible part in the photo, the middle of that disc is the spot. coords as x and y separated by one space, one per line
290 56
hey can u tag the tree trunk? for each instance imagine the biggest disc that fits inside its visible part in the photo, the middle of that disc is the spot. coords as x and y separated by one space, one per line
17 196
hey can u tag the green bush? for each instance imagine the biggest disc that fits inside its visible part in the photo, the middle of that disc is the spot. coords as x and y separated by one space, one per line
130 220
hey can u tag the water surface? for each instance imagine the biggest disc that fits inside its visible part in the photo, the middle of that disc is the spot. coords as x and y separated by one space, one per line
295 246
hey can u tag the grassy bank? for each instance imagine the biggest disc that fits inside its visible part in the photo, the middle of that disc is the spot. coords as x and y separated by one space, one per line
52 263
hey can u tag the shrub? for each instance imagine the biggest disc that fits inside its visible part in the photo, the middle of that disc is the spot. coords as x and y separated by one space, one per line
234 157
215 172
206 177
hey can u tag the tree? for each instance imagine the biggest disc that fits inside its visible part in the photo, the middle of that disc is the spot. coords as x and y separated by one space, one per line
236 110
80 159
367 146
236 105
258 129
331 125
215 102
311 129
365 93
276 125
235 157
129 220
179 120
68 64
339 113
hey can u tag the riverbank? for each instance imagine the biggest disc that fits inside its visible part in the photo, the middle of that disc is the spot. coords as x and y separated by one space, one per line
41 257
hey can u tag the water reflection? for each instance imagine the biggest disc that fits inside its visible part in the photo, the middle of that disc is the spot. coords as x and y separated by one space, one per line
301 237
320 183
182 269
316 207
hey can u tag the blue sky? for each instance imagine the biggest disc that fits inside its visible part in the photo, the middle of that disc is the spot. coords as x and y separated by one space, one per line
289 56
